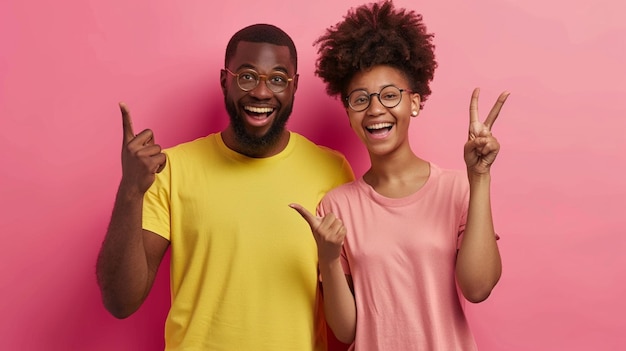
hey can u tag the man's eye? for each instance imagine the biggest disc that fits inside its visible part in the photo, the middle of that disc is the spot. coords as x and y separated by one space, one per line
247 76
278 79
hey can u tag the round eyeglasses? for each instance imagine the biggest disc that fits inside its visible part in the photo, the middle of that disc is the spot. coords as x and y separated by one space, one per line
248 79
389 96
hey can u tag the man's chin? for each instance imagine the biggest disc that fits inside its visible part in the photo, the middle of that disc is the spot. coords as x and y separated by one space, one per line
255 144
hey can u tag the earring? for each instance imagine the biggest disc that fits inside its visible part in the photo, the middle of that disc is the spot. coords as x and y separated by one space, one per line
414 113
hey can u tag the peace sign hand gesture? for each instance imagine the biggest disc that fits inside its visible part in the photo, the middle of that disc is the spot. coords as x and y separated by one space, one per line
481 148
328 231
141 157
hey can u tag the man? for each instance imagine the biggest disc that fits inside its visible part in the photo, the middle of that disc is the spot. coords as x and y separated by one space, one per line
243 265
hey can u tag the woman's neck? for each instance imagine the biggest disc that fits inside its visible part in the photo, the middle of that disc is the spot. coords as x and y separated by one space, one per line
398 175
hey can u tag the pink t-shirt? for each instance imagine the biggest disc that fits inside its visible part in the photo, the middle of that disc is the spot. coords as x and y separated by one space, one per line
401 254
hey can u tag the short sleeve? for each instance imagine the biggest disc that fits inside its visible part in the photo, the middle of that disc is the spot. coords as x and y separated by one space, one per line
156 204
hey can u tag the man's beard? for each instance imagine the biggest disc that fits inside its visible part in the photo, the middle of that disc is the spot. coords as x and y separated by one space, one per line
251 145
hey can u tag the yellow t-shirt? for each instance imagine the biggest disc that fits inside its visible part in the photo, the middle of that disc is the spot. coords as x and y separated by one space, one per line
243 263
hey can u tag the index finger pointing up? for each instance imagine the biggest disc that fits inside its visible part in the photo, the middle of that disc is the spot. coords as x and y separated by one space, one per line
127 123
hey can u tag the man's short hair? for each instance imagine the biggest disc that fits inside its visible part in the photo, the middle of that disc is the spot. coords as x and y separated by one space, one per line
261 33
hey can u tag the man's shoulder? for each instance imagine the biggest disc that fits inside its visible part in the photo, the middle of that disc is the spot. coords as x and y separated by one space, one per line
305 143
190 145
322 159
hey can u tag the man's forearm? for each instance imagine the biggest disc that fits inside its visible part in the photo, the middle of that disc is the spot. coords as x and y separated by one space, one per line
122 267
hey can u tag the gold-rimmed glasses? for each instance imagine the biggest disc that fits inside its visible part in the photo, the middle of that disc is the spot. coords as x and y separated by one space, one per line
248 79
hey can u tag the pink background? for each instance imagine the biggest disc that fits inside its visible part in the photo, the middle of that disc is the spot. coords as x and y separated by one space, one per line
558 188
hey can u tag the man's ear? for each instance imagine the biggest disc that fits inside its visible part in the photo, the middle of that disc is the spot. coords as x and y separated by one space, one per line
295 82
223 77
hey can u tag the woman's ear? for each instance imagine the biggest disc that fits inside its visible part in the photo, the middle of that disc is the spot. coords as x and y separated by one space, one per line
415 104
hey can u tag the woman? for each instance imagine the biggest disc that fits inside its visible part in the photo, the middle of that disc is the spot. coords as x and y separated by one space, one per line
413 240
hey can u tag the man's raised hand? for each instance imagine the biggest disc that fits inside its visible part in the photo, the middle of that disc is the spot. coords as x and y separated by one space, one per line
481 148
141 157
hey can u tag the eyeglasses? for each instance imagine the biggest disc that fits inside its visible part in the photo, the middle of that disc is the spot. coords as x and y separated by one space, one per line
389 96
248 79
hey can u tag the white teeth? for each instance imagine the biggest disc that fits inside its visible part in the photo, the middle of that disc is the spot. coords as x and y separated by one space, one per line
259 109
379 126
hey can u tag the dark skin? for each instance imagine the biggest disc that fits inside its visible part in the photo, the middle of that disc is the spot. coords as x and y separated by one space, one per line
130 256
263 58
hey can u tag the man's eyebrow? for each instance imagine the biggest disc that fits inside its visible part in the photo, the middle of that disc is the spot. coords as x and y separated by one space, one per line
281 69
244 65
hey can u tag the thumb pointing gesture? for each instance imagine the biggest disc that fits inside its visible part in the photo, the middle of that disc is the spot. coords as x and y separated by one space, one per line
328 231
313 221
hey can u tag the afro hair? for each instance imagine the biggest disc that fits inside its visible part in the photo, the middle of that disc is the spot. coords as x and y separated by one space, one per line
376 34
